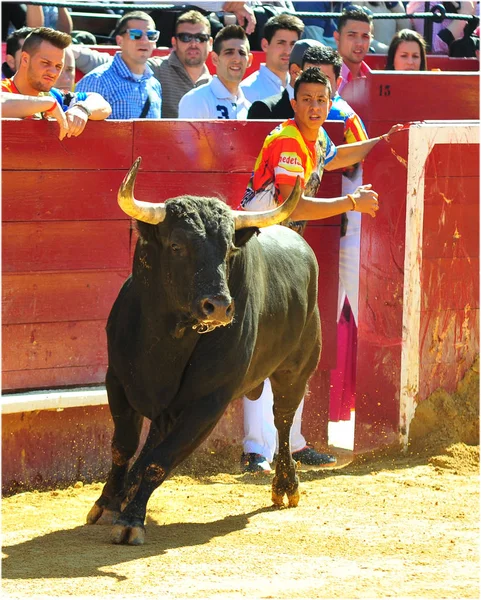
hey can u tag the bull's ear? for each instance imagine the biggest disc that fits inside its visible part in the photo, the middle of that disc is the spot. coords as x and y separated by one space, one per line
242 236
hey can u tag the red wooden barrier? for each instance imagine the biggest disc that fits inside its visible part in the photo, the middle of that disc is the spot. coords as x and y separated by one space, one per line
397 370
389 97
73 188
67 247
383 99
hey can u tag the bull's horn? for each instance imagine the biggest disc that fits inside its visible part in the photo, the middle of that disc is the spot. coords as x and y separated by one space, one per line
142 211
269 217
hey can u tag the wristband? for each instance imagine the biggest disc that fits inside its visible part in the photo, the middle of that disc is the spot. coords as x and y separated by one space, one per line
83 107
354 203
52 108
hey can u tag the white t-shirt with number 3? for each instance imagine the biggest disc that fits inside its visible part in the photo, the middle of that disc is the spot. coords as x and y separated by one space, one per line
213 101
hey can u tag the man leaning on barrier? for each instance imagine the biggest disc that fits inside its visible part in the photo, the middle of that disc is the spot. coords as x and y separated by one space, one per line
30 93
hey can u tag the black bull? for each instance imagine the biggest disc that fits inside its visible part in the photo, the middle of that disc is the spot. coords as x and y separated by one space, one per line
212 308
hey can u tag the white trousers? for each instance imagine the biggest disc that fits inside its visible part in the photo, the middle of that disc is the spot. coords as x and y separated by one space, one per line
349 256
259 429
350 253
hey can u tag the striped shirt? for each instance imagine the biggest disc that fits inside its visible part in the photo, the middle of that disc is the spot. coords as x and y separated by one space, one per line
125 93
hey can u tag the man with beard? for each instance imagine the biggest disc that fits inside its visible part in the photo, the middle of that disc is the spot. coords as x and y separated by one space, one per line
353 38
183 70
279 35
127 82
30 92
222 98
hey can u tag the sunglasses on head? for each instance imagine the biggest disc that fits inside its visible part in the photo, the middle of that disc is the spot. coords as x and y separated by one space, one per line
189 37
137 34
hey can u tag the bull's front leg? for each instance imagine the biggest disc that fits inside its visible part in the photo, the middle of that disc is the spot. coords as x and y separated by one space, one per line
286 481
125 441
153 467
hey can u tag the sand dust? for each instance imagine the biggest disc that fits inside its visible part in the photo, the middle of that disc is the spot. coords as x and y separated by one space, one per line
380 526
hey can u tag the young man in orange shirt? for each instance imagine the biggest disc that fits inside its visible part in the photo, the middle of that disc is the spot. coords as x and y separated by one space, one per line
299 147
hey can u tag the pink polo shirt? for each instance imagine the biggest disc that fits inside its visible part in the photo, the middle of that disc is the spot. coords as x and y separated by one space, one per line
346 75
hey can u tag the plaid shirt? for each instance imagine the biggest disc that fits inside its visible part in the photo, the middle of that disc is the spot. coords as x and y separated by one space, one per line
127 95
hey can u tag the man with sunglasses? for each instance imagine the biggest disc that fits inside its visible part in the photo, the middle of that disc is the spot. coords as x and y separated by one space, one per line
181 71
127 82
222 98
184 69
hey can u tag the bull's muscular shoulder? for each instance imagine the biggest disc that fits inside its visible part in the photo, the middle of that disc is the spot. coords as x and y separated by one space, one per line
287 250
283 238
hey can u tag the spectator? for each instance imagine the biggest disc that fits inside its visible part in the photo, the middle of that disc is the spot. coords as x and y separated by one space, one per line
127 82
279 106
222 98
183 70
407 52
443 34
279 36
243 12
166 17
353 38
14 51
384 29
30 92
66 79
299 147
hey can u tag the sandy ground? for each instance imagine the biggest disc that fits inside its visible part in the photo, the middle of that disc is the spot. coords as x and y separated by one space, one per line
377 528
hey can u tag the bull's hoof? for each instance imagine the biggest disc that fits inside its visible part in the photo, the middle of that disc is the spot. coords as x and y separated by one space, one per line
293 499
108 517
94 514
277 499
101 515
126 534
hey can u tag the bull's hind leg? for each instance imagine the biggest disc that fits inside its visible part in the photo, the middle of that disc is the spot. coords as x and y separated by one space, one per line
286 481
125 441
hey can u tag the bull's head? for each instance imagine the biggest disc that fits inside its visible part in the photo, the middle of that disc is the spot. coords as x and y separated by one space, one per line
197 245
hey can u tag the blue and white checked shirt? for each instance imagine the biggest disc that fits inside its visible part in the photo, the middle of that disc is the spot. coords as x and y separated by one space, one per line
126 95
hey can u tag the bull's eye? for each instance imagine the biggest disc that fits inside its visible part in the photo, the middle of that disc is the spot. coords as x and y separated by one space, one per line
175 247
